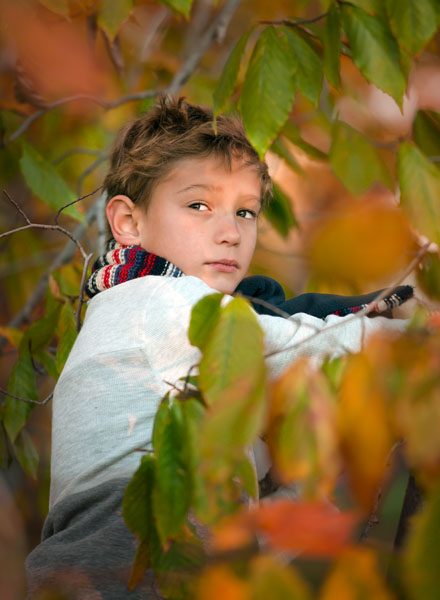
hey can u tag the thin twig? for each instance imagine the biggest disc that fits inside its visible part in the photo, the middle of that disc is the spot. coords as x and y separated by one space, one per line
373 518
89 170
365 311
39 402
79 150
60 259
214 32
74 202
48 227
20 210
31 225
266 304
81 291
295 23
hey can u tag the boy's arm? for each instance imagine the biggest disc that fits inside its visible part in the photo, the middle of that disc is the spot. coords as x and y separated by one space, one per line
302 335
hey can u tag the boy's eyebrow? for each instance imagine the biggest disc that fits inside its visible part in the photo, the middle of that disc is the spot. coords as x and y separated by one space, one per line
208 186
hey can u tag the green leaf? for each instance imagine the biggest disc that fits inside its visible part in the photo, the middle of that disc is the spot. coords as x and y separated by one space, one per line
268 90
45 181
413 22
137 508
178 6
68 278
67 333
60 7
204 316
142 561
279 212
426 132
48 362
22 383
228 78
172 492
332 46
375 7
39 334
308 68
354 160
375 52
293 134
419 190
231 377
193 414
280 148
26 454
111 15
247 475
428 275
423 550
4 454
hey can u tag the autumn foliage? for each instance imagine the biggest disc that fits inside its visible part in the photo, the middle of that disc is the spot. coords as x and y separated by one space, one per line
337 99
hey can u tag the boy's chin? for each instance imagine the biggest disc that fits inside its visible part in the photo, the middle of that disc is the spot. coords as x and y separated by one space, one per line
223 284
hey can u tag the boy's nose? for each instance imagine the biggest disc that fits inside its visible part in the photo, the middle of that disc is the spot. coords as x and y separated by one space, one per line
227 231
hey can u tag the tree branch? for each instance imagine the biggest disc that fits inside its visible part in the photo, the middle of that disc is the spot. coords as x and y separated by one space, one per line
373 518
39 402
365 311
74 202
295 23
215 32
60 259
81 291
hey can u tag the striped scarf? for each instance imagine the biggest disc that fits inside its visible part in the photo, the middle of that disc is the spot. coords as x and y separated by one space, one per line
122 263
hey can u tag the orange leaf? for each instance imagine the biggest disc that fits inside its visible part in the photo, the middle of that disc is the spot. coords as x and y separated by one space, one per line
220 583
301 432
364 242
314 528
364 430
54 55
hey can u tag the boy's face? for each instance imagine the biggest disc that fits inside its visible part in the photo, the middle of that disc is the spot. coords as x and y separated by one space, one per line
203 218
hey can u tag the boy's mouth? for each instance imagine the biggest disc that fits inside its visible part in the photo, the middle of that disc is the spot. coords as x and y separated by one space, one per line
225 265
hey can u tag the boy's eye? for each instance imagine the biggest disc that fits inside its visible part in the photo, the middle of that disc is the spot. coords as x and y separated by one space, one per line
198 206
247 213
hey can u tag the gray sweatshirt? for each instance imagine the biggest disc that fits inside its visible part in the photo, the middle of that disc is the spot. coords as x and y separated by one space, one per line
134 340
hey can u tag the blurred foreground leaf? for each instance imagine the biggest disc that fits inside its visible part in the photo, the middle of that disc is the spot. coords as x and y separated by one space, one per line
423 550
354 576
413 22
355 160
420 190
279 212
360 243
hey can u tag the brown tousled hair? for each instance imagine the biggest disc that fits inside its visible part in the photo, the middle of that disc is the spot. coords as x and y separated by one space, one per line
147 149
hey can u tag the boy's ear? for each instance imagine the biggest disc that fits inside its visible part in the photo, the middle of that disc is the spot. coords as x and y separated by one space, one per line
124 228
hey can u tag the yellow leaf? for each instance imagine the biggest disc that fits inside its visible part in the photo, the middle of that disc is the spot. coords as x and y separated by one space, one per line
221 583
364 430
302 433
355 576
359 244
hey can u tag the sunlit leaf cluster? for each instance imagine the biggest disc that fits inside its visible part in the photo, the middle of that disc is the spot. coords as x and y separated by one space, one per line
74 72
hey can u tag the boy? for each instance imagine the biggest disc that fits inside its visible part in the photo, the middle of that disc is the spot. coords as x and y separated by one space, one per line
183 207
